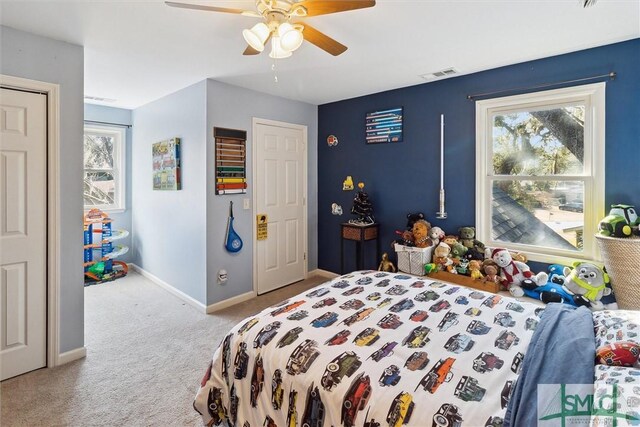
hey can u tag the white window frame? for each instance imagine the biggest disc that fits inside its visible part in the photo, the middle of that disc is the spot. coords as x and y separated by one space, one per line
119 163
593 176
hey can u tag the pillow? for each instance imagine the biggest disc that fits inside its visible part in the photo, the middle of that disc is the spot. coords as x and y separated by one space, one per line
613 326
623 353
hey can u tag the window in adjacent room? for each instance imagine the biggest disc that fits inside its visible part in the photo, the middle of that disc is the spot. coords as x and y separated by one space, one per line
540 166
104 168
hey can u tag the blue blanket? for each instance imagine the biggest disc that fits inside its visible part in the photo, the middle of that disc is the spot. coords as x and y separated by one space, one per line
562 351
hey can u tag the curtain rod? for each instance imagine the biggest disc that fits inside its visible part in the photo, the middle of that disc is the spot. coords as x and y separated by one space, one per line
107 123
611 75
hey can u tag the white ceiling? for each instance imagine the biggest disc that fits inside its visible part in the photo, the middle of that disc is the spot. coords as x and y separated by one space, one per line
138 51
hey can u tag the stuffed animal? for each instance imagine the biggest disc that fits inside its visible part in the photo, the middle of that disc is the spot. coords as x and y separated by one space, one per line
386 265
474 269
436 234
441 255
474 254
421 234
491 273
519 256
406 238
468 238
430 268
450 266
512 273
412 218
450 239
462 266
458 250
588 280
551 292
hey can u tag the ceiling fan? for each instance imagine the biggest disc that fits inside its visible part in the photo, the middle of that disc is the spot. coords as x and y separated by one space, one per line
286 36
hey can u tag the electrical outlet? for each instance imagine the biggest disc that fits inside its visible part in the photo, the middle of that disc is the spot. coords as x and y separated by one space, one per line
246 204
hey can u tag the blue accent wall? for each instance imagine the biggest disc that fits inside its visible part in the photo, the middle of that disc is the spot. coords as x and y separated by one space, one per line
405 177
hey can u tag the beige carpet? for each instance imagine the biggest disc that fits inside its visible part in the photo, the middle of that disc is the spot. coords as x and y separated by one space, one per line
146 353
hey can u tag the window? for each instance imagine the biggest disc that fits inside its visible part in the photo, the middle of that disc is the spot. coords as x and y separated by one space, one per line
540 166
104 172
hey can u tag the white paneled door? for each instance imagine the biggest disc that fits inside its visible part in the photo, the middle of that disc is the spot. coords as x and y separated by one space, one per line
280 187
23 238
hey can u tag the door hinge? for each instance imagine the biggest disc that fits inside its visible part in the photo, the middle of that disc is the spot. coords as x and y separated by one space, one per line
304 256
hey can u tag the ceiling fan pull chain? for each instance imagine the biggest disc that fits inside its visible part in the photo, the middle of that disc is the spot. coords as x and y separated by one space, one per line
275 71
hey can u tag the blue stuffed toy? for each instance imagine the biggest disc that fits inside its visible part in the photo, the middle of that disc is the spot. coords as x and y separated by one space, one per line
553 290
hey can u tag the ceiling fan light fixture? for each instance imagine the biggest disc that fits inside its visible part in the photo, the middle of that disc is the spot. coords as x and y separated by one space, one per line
277 51
256 36
290 36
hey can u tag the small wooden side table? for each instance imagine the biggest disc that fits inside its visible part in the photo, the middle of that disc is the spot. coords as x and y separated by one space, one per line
358 234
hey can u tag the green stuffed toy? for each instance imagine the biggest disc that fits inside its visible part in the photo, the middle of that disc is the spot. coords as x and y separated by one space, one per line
468 238
458 250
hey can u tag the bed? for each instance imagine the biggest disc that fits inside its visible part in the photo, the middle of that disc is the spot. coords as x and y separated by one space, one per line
374 349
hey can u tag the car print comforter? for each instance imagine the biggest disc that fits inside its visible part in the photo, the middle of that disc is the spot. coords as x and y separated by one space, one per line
375 349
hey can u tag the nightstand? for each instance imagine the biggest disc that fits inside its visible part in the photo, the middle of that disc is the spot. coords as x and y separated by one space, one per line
359 234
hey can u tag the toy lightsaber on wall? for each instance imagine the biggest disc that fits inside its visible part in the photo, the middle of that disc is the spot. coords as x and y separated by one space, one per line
441 214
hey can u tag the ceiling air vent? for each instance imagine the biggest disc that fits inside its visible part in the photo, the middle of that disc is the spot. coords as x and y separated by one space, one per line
98 99
438 74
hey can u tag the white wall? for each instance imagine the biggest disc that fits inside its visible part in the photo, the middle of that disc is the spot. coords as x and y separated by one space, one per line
169 227
121 220
39 58
235 107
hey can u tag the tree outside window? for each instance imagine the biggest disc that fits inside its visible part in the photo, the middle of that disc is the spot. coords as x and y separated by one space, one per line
103 168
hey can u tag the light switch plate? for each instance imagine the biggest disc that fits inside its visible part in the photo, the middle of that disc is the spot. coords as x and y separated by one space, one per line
246 204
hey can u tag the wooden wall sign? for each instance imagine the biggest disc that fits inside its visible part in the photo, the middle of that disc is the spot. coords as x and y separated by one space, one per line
231 161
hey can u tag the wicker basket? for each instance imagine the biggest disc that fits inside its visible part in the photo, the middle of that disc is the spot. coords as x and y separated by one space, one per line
622 259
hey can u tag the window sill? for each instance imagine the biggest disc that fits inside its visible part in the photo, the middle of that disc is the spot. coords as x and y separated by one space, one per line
555 259
108 210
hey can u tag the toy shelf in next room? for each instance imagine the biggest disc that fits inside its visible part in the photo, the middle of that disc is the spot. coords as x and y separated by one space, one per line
99 237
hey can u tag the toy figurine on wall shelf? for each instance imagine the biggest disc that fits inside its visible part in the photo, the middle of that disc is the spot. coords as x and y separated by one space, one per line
362 207
386 265
347 184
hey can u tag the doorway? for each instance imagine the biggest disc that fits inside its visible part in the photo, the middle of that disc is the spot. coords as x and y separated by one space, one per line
280 194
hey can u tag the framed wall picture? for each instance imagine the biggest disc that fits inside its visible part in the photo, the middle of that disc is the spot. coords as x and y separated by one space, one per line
384 126
166 164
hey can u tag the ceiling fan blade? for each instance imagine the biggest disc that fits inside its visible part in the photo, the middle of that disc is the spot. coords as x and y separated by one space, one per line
207 8
324 7
251 51
323 41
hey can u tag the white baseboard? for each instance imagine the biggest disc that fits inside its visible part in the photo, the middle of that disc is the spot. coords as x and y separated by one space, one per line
167 287
70 356
212 308
323 273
